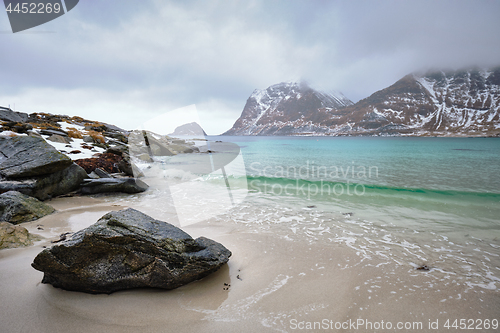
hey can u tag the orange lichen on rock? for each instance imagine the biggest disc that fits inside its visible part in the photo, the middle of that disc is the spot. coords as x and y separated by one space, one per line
77 119
74 133
98 137
43 125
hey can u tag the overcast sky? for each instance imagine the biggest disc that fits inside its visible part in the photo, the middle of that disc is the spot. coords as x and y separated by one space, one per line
125 62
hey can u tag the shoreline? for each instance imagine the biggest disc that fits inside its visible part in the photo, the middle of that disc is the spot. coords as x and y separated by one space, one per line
274 282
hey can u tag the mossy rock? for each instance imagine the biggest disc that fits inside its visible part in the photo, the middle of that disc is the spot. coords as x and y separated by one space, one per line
16 207
15 236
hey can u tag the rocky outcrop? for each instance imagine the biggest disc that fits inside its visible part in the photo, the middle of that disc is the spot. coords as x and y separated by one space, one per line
27 156
128 249
16 208
15 236
30 164
107 185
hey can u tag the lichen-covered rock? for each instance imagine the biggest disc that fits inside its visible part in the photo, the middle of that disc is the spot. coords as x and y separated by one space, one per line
28 156
128 249
16 207
15 236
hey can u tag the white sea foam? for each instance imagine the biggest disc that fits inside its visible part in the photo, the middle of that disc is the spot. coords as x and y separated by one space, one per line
448 256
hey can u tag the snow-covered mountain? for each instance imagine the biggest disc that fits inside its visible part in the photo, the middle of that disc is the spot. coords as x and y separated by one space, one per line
437 103
457 103
287 108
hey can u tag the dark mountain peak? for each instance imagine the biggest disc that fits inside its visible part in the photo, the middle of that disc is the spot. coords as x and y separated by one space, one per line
438 102
285 108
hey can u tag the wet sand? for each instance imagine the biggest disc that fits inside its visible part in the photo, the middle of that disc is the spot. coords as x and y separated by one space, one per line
275 285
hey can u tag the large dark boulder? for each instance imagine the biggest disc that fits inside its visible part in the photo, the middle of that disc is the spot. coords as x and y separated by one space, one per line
48 186
107 185
28 156
16 208
128 249
59 183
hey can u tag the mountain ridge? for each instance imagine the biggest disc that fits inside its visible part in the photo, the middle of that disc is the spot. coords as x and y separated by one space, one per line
436 103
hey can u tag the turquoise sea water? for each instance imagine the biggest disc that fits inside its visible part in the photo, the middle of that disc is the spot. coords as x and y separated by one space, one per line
458 164
413 201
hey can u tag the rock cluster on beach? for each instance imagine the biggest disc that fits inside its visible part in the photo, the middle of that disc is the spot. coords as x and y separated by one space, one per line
30 163
128 249
43 156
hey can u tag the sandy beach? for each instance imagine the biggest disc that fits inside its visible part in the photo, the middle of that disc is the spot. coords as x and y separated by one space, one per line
275 285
